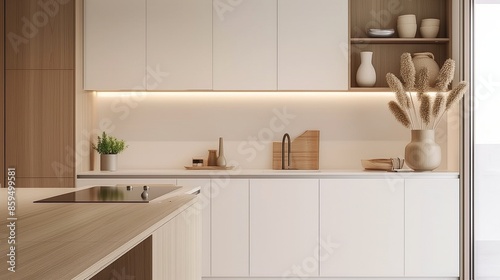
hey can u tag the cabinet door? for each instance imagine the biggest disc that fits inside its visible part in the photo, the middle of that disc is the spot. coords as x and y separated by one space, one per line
179 44
362 227
284 227
312 44
204 206
39 127
244 40
229 227
432 227
39 34
114 44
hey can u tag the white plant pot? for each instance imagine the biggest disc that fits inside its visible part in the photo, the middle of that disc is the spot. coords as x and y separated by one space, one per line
108 162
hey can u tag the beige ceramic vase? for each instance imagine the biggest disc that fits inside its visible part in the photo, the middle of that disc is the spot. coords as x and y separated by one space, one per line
426 60
108 162
423 153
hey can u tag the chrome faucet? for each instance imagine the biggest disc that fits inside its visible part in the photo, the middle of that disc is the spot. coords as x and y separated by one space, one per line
283 151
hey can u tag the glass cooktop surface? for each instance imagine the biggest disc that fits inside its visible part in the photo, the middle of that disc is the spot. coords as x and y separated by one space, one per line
132 193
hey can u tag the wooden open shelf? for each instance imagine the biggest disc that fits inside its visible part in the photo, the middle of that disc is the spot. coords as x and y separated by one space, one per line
365 14
400 40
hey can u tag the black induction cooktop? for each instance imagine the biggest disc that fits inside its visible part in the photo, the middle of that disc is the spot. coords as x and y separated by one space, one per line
113 194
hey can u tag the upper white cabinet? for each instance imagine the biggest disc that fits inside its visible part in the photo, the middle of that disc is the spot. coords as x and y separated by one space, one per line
148 45
284 227
362 227
432 228
313 44
179 44
230 227
245 45
114 44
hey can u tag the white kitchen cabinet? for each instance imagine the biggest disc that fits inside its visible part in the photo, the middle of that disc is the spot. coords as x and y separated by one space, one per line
245 45
313 44
362 227
205 207
284 227
229 227
114 44
432 227
179 44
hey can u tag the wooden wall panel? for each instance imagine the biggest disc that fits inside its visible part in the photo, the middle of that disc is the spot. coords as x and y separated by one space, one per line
62 182
40 122
2 96
40 34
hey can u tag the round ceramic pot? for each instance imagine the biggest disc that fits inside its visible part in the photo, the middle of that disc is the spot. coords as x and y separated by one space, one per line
426 60
423 153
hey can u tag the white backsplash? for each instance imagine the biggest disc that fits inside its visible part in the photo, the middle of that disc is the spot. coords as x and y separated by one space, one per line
165 130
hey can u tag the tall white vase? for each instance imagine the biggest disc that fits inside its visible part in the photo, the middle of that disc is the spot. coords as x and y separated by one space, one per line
366 75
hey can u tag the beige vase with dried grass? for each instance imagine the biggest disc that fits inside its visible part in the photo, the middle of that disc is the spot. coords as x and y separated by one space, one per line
423 153
418 110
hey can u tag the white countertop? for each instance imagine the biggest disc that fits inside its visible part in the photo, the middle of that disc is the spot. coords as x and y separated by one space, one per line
263 173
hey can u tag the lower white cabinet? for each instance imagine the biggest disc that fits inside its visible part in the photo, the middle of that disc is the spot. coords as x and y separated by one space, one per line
203 205
362 227
432 227
284 227
229 227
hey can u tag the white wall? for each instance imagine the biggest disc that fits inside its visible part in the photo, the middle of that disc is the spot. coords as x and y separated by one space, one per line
165 130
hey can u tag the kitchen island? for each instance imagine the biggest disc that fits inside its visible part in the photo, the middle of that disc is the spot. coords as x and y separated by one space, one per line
155 240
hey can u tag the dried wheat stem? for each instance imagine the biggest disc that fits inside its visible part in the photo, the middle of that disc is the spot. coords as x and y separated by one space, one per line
422 82
399 114
453 96
445 75
407 71
425 110
437 107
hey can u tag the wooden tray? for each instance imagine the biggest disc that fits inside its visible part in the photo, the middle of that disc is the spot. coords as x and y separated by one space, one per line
209 167
388 164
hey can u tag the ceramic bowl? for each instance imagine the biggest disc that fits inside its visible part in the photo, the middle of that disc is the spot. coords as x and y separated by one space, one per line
407 30
430 22
429 31
407 19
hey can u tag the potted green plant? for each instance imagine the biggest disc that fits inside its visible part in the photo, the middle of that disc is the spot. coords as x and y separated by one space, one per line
108 147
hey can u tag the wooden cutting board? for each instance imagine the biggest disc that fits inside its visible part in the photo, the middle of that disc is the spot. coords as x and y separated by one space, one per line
305 152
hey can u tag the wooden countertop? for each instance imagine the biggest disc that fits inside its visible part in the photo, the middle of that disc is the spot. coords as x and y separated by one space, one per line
75 241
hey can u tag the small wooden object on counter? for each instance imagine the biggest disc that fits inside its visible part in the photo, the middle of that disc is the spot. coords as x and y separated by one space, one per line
209 167
304 152
212 158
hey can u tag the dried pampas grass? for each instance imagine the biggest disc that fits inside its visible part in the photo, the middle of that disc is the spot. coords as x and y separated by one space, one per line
445 75
399 114
456 94
422 81
427 111
407 69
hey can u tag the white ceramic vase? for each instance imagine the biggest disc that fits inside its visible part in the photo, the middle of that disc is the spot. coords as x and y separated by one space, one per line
221 160
366 75
108 162
426 60
423 153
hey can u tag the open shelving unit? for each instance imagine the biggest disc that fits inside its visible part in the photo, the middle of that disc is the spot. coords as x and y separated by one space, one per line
365 14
